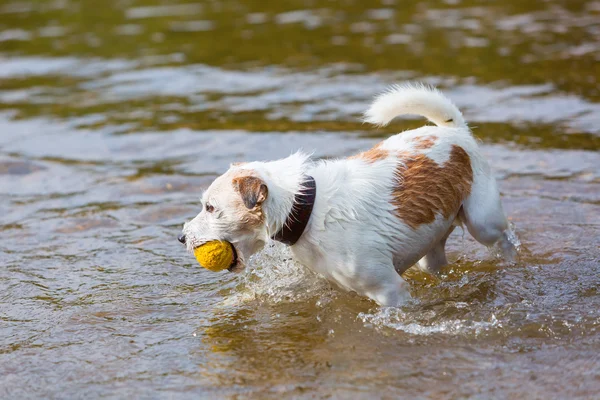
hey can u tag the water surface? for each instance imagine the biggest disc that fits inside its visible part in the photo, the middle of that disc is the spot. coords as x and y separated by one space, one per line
115 115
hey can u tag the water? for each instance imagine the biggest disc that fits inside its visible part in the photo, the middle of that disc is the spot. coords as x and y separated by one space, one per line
115 115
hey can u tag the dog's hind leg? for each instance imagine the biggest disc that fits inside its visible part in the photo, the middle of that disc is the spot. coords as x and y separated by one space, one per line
435 259
484 216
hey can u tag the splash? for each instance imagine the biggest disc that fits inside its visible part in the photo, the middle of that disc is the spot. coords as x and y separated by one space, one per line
512 237
425 323
275 277
508 252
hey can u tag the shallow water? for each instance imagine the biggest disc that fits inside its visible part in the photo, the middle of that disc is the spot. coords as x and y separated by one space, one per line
115 115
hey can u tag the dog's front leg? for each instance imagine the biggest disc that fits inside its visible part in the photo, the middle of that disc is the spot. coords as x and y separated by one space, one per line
389 289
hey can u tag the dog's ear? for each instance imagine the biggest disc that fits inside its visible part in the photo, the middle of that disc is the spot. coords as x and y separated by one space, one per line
252 189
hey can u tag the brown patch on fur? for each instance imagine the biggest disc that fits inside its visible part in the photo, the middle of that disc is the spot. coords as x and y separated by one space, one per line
253 192
426 188
424 142
252 189
372 155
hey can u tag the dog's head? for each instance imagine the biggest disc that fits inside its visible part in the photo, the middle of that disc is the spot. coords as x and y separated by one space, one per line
232 210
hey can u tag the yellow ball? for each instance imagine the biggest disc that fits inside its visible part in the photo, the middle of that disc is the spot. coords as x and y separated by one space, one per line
215 256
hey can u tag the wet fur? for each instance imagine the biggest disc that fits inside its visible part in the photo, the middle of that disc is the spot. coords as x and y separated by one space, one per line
377 213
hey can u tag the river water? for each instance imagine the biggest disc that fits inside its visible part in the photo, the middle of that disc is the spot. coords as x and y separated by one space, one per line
116 114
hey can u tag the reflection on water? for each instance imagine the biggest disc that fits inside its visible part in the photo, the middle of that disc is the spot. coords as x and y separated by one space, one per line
115 115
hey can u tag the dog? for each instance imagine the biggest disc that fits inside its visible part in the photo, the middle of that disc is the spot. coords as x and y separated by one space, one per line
362 221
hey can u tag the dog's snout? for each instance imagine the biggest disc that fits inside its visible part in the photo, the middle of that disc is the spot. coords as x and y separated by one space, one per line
181 238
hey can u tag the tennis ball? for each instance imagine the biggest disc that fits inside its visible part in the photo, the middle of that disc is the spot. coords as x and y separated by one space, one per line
215 256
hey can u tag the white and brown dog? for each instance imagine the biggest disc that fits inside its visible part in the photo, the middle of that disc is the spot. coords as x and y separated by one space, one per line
362 221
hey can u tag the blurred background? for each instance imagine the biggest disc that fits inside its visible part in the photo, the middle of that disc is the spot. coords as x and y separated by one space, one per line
116 114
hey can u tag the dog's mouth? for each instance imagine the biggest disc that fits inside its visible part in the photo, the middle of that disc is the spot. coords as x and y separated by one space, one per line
234 263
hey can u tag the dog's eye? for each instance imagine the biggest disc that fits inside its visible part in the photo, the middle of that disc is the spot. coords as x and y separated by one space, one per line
209 208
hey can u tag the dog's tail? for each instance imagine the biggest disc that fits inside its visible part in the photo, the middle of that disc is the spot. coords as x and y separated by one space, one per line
414 99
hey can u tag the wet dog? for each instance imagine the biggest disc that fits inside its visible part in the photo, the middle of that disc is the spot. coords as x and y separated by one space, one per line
362 221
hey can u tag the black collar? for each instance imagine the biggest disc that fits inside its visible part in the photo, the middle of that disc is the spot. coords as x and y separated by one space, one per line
299 215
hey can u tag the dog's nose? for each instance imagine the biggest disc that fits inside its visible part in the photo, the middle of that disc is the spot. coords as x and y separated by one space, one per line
181 238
